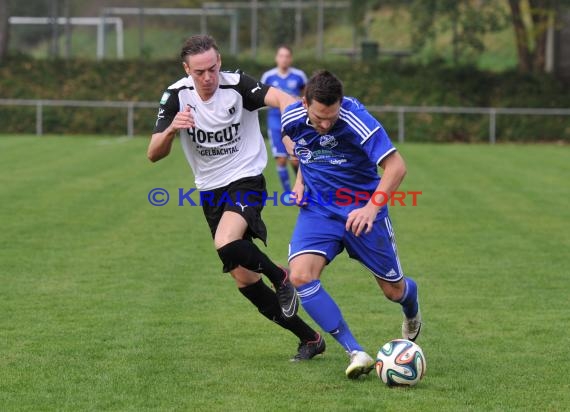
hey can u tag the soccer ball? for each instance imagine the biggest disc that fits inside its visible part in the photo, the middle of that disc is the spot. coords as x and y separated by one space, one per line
400 362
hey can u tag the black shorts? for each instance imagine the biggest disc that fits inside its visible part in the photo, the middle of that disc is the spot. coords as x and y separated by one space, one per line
244 196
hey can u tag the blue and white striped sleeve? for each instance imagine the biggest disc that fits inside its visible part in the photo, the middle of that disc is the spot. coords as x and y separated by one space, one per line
373 138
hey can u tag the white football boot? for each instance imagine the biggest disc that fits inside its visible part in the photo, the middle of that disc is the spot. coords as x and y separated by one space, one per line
361 363
411 327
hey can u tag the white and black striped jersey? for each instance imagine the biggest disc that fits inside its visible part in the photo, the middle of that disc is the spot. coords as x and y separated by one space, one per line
226 144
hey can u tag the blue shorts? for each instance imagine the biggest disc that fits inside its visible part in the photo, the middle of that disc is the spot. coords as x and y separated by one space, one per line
327 236
277 147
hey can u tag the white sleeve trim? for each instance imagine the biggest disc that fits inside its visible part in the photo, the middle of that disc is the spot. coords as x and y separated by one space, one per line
369 135
385 155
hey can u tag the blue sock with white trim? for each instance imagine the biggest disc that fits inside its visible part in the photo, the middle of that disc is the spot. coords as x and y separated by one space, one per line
324 310
409 299
283 173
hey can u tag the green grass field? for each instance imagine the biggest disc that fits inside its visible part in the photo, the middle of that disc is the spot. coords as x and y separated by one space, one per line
109 303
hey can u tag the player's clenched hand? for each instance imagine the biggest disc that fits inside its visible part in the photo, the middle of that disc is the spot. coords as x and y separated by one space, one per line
298 194
183 120
362 219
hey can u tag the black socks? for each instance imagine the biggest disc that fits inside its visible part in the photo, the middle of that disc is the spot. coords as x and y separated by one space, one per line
266 302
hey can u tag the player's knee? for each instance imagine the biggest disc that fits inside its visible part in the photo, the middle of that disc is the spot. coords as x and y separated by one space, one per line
393 291
230 253
305 268
299 279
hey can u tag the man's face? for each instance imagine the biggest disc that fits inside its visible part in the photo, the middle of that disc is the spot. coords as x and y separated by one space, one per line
321 116
283 59
204 69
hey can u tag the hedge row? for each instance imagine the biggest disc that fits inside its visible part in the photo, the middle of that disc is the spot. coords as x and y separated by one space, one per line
384 83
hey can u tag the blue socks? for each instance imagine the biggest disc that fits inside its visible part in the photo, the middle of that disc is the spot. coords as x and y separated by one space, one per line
283 173
324 310
409 299
326 313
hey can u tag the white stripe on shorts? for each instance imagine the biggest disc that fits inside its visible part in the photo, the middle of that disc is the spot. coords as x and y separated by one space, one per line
393 239
304 252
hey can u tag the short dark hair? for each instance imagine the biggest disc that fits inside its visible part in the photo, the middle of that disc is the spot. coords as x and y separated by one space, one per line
198 44
324 87
286 47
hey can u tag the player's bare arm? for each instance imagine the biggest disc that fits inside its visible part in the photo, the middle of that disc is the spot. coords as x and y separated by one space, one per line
298 190
362 219
161 143
278 98
289 145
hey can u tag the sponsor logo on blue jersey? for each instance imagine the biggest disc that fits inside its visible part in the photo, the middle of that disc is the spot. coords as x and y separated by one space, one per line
328 141
307 156
303 154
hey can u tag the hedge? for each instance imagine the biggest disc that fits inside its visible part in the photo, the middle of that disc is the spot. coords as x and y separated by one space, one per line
382 83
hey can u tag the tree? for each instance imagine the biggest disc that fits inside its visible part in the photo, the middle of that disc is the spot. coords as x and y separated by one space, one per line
359 16
531 19
4 28
467 20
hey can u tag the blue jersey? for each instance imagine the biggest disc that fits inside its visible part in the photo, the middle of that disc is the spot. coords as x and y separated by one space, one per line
293 83
338 165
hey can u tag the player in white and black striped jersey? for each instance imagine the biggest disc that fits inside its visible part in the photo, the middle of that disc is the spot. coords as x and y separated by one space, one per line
215 114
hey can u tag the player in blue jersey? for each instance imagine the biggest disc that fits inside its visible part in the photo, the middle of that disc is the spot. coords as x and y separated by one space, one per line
340 146
292 81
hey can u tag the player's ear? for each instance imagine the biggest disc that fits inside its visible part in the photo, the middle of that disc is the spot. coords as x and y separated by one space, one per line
305 103
186 68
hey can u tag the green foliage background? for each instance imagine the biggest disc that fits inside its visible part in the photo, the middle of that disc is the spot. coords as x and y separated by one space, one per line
383 83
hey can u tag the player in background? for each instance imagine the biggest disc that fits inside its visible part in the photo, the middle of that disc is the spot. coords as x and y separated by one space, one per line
215 114
340 146
292 81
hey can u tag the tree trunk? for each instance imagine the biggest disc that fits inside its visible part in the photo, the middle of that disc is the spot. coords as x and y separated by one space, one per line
539 12
4 28
521 37
455 38
539 54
